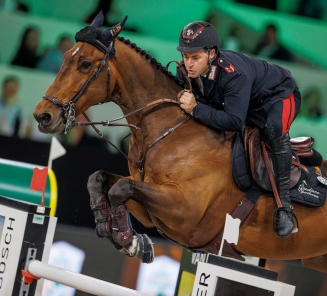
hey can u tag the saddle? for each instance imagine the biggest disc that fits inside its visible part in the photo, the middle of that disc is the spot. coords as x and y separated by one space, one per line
258 158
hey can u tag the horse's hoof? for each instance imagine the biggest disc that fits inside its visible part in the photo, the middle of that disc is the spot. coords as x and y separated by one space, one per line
102 215
141 247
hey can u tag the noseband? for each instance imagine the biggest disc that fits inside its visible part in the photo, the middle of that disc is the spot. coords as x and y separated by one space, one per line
69 109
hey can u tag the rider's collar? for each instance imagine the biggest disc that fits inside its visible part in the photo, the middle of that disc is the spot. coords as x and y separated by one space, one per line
210 74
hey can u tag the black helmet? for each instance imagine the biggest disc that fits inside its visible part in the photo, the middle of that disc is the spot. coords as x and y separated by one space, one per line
198 35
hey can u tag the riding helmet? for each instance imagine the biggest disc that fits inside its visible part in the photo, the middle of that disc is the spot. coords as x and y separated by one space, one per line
198 35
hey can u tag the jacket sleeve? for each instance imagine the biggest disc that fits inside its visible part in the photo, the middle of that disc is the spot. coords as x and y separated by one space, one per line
236 94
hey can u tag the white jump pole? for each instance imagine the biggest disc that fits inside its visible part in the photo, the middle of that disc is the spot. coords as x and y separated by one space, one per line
78 281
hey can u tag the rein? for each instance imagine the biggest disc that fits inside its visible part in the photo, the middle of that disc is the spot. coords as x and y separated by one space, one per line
69 112
141 161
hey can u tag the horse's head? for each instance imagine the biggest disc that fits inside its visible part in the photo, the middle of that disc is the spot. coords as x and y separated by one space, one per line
82 77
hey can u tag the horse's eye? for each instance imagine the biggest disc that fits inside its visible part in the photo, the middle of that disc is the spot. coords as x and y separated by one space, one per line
85 65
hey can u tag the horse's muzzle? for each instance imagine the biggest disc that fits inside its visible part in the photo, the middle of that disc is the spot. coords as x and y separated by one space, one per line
47 124
43 118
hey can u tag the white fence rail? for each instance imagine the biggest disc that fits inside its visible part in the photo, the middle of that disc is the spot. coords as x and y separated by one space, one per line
78 281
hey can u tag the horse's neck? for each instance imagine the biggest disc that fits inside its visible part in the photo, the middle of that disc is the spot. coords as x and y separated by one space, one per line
140 83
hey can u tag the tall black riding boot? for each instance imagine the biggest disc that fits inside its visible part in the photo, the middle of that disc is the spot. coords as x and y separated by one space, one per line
281 156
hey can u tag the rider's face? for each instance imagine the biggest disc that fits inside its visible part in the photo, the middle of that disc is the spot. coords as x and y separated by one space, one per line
196 62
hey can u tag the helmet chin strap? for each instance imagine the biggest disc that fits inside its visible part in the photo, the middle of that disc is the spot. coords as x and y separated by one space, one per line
212 59
209 62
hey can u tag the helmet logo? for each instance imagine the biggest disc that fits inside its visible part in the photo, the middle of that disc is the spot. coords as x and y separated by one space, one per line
189 32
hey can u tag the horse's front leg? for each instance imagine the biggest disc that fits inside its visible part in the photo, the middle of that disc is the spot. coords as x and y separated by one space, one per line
115 225
98 186
165 202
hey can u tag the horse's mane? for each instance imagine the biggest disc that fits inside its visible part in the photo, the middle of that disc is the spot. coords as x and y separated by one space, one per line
152 60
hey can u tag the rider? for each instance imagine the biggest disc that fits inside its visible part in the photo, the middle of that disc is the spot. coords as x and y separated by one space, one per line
231 90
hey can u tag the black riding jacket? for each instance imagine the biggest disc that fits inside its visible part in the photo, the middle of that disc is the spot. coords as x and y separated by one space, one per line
241 91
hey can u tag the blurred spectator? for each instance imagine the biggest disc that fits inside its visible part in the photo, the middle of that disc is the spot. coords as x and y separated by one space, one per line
10 112
270 47
312 103
313 8
52 60
14 6
27 55
268 4
106 7
232 41
21 7
212 18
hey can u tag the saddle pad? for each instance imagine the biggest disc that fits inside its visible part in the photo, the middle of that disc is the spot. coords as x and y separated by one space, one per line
241 173
309 190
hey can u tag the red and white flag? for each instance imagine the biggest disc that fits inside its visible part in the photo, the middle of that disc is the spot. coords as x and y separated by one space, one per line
39 179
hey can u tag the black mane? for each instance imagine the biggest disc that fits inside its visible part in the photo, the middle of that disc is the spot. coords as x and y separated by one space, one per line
152 60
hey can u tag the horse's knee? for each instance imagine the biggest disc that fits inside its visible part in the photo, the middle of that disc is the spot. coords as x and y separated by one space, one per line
120 192
98 176
96 181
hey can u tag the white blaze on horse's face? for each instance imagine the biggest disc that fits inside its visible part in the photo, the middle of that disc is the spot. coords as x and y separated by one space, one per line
75 51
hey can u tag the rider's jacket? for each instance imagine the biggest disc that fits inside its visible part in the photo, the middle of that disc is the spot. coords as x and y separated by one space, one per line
239 90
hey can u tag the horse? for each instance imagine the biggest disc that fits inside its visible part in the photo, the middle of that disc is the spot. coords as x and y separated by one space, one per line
180 170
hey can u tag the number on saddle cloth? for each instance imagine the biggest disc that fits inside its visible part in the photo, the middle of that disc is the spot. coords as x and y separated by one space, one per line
249 166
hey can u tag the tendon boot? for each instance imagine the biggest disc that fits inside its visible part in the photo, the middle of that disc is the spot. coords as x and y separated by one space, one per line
102 214
281 156
122 230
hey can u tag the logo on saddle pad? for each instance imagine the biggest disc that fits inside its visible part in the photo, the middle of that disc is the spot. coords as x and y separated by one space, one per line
309 191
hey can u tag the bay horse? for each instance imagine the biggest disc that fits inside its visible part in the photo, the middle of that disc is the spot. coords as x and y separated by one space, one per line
180 170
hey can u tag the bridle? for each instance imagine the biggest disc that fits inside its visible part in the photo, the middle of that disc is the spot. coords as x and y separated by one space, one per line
69 111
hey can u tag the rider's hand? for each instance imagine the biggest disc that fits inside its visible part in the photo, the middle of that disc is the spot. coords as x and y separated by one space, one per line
187 102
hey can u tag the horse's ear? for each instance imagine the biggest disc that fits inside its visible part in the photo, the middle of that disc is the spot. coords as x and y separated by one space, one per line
111 33
98 21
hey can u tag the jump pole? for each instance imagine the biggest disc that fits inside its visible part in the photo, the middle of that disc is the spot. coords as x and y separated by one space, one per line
78 281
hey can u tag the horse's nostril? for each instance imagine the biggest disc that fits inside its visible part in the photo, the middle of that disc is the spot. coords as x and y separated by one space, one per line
43 118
